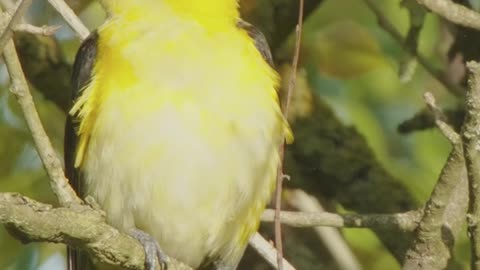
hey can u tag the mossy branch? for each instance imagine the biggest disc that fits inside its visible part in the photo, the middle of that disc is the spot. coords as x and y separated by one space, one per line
80 226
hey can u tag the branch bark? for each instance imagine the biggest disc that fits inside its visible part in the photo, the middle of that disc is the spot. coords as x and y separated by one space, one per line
81 226
433 242
69 16
19 87
471 146
9 21
453 12
407 221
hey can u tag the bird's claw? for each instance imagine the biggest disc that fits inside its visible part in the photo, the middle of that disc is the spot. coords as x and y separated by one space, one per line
153 252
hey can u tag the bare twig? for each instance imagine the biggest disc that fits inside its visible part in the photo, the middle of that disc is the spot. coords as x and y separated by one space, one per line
471 146
408 61
440 120
69 16
424 119
285 107
81 227
46 30
331 238
19 87
406 222
267 251
453 12
392 30
10 20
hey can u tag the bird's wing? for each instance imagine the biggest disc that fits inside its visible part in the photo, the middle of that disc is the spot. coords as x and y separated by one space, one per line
82 73
259 39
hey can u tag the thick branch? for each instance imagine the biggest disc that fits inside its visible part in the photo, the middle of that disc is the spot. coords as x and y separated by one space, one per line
453 12
80 226
432 248
471 146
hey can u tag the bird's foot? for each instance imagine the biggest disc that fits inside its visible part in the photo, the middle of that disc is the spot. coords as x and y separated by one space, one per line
153 252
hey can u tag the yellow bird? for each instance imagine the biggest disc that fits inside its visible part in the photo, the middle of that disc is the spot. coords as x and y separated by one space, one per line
175 128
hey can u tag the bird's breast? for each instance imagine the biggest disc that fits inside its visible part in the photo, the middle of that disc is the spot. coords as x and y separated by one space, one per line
180 139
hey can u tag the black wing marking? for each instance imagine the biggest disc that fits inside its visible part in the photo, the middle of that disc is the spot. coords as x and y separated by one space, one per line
82 69
259 39
82 72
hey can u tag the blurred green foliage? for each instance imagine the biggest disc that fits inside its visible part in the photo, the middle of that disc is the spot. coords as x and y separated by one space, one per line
351 63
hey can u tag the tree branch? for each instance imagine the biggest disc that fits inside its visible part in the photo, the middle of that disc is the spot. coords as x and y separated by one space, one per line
334 242
471 146
84 227
9 21
267 251
406 222
45 30
285 108
440 120
431 249
19 88
69 16
81 226
453 12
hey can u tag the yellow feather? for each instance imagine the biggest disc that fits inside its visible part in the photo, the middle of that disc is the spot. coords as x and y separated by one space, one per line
180 126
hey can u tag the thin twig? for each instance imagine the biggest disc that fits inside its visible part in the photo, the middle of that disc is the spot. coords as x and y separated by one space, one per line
11 20
19 87
69 16
285 107
406 222
440 119
453 12
331 237
393 31
408 61
471 147
267 251
46 30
